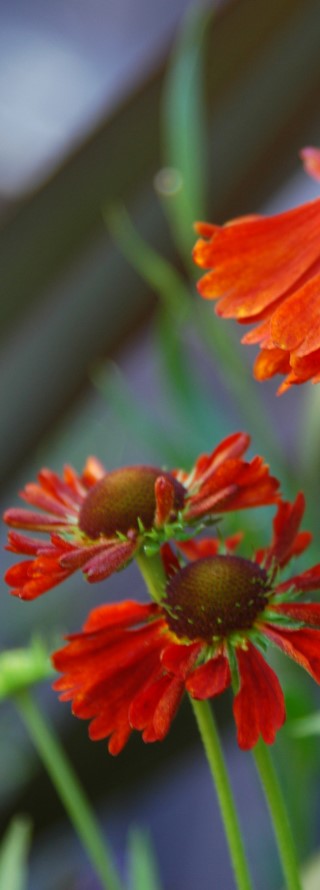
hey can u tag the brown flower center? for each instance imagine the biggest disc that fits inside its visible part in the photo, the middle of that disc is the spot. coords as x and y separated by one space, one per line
122 497
215 596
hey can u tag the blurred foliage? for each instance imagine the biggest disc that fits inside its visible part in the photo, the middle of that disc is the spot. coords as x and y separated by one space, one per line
13 854
21 668
142 867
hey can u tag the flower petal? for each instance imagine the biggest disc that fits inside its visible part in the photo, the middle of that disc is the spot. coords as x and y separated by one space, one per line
254 263
210 678
259 706
301 645
308 580
165 496
309 613
287 541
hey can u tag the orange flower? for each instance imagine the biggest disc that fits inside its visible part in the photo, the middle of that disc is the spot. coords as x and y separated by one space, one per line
131 664
99 520
267 270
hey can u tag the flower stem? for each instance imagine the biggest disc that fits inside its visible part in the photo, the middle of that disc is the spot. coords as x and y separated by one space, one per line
279 815
206 724
152 571
71 794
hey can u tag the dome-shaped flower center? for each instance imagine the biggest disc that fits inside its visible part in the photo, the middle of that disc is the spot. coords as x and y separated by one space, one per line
215 596
122 497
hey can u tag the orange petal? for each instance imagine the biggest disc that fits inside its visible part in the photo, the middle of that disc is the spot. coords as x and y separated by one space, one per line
257 262
295 325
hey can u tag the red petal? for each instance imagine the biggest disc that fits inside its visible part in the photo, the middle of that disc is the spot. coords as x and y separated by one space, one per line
210 679
309 613
118 615
109 560
21 544
301 645
155 707
169 559
164 495
31 578
259 706
18 517
178 659
199 548
286 541
232 447
308 580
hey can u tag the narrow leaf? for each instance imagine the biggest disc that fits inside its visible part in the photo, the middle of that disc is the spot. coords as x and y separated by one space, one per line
13 854
143 871
184 129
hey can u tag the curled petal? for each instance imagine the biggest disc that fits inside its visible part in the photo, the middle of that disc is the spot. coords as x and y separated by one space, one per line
259 706
31 578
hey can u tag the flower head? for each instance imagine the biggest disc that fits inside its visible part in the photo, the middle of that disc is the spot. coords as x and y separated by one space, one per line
266 270
129 667
98 521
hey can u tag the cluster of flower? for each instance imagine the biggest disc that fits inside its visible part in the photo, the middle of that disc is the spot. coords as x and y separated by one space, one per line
213 611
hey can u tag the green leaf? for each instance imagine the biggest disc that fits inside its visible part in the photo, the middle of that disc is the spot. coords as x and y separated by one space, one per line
306 726
184 131
191 398
143 872
311 874
136 418
13 854
21 668
162 277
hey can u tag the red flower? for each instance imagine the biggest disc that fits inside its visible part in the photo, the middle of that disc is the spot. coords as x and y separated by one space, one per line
267 270
131 664
99 520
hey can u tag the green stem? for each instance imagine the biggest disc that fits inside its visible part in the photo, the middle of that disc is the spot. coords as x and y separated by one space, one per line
72 796
210 738
279 815
153 573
